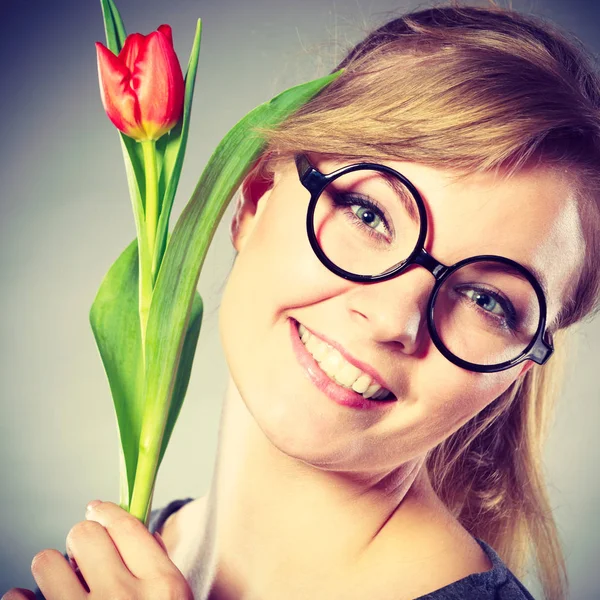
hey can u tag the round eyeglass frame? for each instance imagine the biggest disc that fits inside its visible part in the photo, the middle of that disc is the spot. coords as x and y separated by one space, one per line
538 350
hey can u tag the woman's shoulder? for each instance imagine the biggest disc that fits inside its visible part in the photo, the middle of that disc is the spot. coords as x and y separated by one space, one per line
160 516
438 559
180 524
476 575
439 563
497 583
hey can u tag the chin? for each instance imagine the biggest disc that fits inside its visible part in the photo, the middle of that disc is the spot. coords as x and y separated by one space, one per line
291 421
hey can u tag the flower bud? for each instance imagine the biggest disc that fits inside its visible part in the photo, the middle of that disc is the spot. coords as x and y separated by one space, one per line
142 88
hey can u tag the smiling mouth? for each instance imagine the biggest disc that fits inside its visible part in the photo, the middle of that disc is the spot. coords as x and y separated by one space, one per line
339 370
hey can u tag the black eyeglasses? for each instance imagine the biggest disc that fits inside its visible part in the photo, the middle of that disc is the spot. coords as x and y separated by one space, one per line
367 223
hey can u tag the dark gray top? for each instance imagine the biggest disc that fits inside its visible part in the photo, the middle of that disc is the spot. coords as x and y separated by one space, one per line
497 584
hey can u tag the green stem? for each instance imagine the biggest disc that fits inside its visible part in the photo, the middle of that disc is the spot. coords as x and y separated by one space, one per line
123 481
149 149
145 475
151 222
147 466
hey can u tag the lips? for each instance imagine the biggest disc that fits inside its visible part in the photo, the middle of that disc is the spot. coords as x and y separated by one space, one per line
368 369
339 394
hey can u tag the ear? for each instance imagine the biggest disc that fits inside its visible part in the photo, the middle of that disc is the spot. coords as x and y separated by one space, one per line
251 201
525 367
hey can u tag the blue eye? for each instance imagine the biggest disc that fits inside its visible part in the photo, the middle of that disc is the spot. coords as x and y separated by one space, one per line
486 301
367 215
492 305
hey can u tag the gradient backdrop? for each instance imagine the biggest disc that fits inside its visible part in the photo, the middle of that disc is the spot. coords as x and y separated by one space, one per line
66 216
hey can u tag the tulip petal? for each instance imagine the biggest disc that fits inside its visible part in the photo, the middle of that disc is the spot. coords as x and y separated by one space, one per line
158 83
120 103
133 49
167 32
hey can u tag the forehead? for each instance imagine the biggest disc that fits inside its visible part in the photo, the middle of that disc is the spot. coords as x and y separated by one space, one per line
531 217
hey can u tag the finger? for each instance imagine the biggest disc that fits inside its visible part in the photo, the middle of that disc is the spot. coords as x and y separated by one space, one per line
18 594
95 555
139 549
161 542
55 578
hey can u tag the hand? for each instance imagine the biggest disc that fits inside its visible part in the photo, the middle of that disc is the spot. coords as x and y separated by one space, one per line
115 556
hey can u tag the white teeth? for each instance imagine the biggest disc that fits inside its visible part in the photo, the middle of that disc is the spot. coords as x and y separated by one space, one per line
312 343
338 368
372 390
361 384
347 375
382 393
321 350
332 362
304 337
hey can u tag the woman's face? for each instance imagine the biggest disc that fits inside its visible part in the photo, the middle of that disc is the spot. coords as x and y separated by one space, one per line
277 281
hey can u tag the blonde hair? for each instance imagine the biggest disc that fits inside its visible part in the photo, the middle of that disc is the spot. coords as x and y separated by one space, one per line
478 90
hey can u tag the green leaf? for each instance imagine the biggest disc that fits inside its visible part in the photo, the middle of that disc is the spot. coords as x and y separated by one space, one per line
113 26
134 160
116 325
175 286
115 322
120 28
184 371
172 148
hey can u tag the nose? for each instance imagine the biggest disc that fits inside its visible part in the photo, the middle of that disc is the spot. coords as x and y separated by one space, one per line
395 310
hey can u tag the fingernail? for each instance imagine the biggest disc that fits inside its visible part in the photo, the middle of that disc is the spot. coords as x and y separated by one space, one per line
92 504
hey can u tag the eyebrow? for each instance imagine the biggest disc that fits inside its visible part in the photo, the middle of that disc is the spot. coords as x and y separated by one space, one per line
410 203
404 194
503 268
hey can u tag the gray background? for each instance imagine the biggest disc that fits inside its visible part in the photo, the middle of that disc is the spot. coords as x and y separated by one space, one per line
66 216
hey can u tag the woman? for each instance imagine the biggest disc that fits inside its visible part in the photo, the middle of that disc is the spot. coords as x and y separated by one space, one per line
411 246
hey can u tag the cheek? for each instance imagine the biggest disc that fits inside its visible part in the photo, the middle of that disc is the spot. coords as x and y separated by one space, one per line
277 266
275 272
265 263
451 396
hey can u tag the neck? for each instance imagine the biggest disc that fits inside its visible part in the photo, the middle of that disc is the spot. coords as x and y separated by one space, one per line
267 510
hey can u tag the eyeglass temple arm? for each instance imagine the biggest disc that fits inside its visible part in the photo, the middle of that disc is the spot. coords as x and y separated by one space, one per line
303 165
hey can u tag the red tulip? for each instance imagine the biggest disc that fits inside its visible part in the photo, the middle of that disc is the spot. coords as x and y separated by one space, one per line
142 89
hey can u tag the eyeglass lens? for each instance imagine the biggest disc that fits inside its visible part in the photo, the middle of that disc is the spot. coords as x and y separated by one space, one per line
366 222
